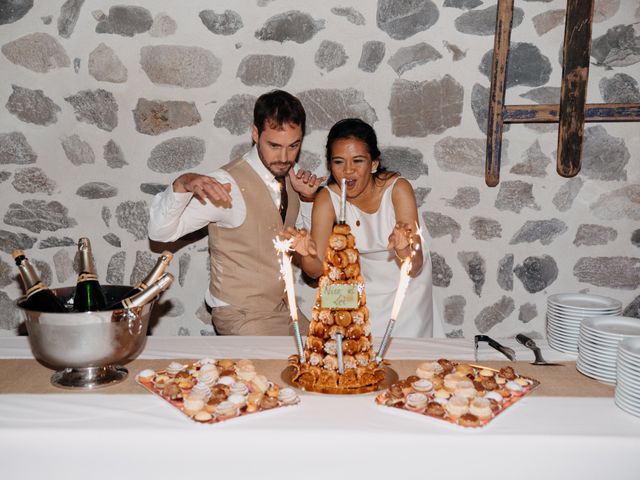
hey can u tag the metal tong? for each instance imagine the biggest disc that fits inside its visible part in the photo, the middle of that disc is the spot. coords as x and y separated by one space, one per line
530 344
506 351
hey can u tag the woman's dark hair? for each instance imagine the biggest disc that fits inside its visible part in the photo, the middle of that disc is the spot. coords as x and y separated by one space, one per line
354 128
278 108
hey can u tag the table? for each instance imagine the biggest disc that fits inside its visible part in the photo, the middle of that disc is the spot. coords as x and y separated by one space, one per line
98 435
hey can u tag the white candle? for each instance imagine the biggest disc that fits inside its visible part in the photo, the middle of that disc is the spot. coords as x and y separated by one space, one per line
343 201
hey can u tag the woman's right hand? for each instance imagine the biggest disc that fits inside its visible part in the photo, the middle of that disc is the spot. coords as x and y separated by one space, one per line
302 243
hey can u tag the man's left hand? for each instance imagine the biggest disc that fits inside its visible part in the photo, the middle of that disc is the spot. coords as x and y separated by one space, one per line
305 183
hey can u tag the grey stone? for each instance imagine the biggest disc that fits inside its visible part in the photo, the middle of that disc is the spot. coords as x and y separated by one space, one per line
372 54
483 22
10 316
39 52
163 26
442 273
505 272
567 193
475 266
39 215
545 231
407 58
96 107
528 312
605 9
112 239
635 237
425 108
183 331
454 309
633 309
515 195
548 95
14 149
153 188
239 150
186 67
542 127
537 273
125 20
466 197
78 151
183 267
225 23
9 241
611 272
485 228
236 115
408 161
105 214
238 45
621 88
33 180
76 64
13 10
462 4
401 19
176 154
44 271
463 155
105 66
457 52
113 155
534 162
421 194
480 107
590 234
293 26
7 275
265 70
310 161
546 21
330 55
32 106
440 225
54 242
69 13
351 14
324 107
459 333
93 190
619 204
134 218
4 176
154 117
494 314
527 66
46 19
619 47
145 261
99 15
176 310
211 332
115 269
603 157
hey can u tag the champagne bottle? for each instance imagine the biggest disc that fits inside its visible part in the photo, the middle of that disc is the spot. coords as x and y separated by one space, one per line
144 296
88 295
154 274
38 297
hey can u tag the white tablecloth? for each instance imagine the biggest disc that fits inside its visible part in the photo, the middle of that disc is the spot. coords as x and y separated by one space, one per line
139 436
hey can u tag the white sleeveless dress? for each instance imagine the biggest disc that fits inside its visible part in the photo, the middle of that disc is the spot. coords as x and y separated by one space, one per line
381 271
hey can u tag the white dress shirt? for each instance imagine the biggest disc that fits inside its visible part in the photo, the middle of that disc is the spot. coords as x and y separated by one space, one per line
173 215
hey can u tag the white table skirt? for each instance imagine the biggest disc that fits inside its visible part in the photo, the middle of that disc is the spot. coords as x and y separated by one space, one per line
139 436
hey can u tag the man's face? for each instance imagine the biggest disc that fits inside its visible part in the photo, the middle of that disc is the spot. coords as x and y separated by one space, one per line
278 147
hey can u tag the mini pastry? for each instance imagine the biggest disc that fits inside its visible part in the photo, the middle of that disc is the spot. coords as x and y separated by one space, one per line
466 389
446 365
339 259
486 372
226 409
464 369
364 343
260 382
362 359
246 372
326 316
330 362
335 273
239 388
352 347
354 331
422 385
335 330
360 315
337 241
494 396
172 392
349 362
225 364
220 391
416 402
438 381
457 406
315 358
317 329
435 409
522 381
174 368
192 405
352 270
442 393
351 241
201 390
500 380
315 344
146 376
427 370
206 361
273 391
343 318
208 377
161 380
226 380
203 416
395 391
489 383
268 403
481 408
451 381
288 396
352 255
186 383
508 373
514 387
469 420
331 347
238 400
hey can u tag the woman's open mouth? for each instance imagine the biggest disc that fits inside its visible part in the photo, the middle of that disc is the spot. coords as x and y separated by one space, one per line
350 184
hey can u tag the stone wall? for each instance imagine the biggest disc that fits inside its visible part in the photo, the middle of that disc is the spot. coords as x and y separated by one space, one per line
103 105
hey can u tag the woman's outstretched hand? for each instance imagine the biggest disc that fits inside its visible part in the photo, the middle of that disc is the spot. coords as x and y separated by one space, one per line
402 240
302 243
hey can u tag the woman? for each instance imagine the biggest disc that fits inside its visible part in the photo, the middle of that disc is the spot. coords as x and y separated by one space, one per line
381 210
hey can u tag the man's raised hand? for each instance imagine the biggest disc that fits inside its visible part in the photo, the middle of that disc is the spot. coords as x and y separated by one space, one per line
204 188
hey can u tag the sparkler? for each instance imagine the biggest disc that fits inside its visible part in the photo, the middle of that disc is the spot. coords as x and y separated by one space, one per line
339 353
283 246
343 201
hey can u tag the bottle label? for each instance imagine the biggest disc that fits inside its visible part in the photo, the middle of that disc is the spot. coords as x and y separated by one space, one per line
34 289
84 277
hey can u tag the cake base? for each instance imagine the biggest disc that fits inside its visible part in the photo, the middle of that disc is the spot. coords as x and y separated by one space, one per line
390 377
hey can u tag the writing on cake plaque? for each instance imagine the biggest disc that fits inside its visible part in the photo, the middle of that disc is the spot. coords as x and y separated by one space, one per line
340 295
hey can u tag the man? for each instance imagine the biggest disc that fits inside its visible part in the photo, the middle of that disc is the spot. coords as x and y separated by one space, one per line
245 204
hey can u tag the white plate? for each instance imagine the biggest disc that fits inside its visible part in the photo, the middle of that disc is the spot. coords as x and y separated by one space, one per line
633 362
614 325
630 369
577 315
629 409
596 369
561 348
627 384
584 301
599 344
566 342
631 346
601 337
629 399
564 326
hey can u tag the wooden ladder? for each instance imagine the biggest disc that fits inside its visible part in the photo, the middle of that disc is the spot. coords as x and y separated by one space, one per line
571 113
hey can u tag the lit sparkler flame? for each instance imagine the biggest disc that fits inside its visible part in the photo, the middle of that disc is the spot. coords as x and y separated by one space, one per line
403 284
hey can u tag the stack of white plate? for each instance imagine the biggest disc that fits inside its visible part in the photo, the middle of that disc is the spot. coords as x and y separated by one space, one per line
628 371
598 345
565 312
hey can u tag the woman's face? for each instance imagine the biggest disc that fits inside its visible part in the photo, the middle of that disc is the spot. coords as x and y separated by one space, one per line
351 160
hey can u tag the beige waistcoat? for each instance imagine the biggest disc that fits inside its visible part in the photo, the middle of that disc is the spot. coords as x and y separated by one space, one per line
245 272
